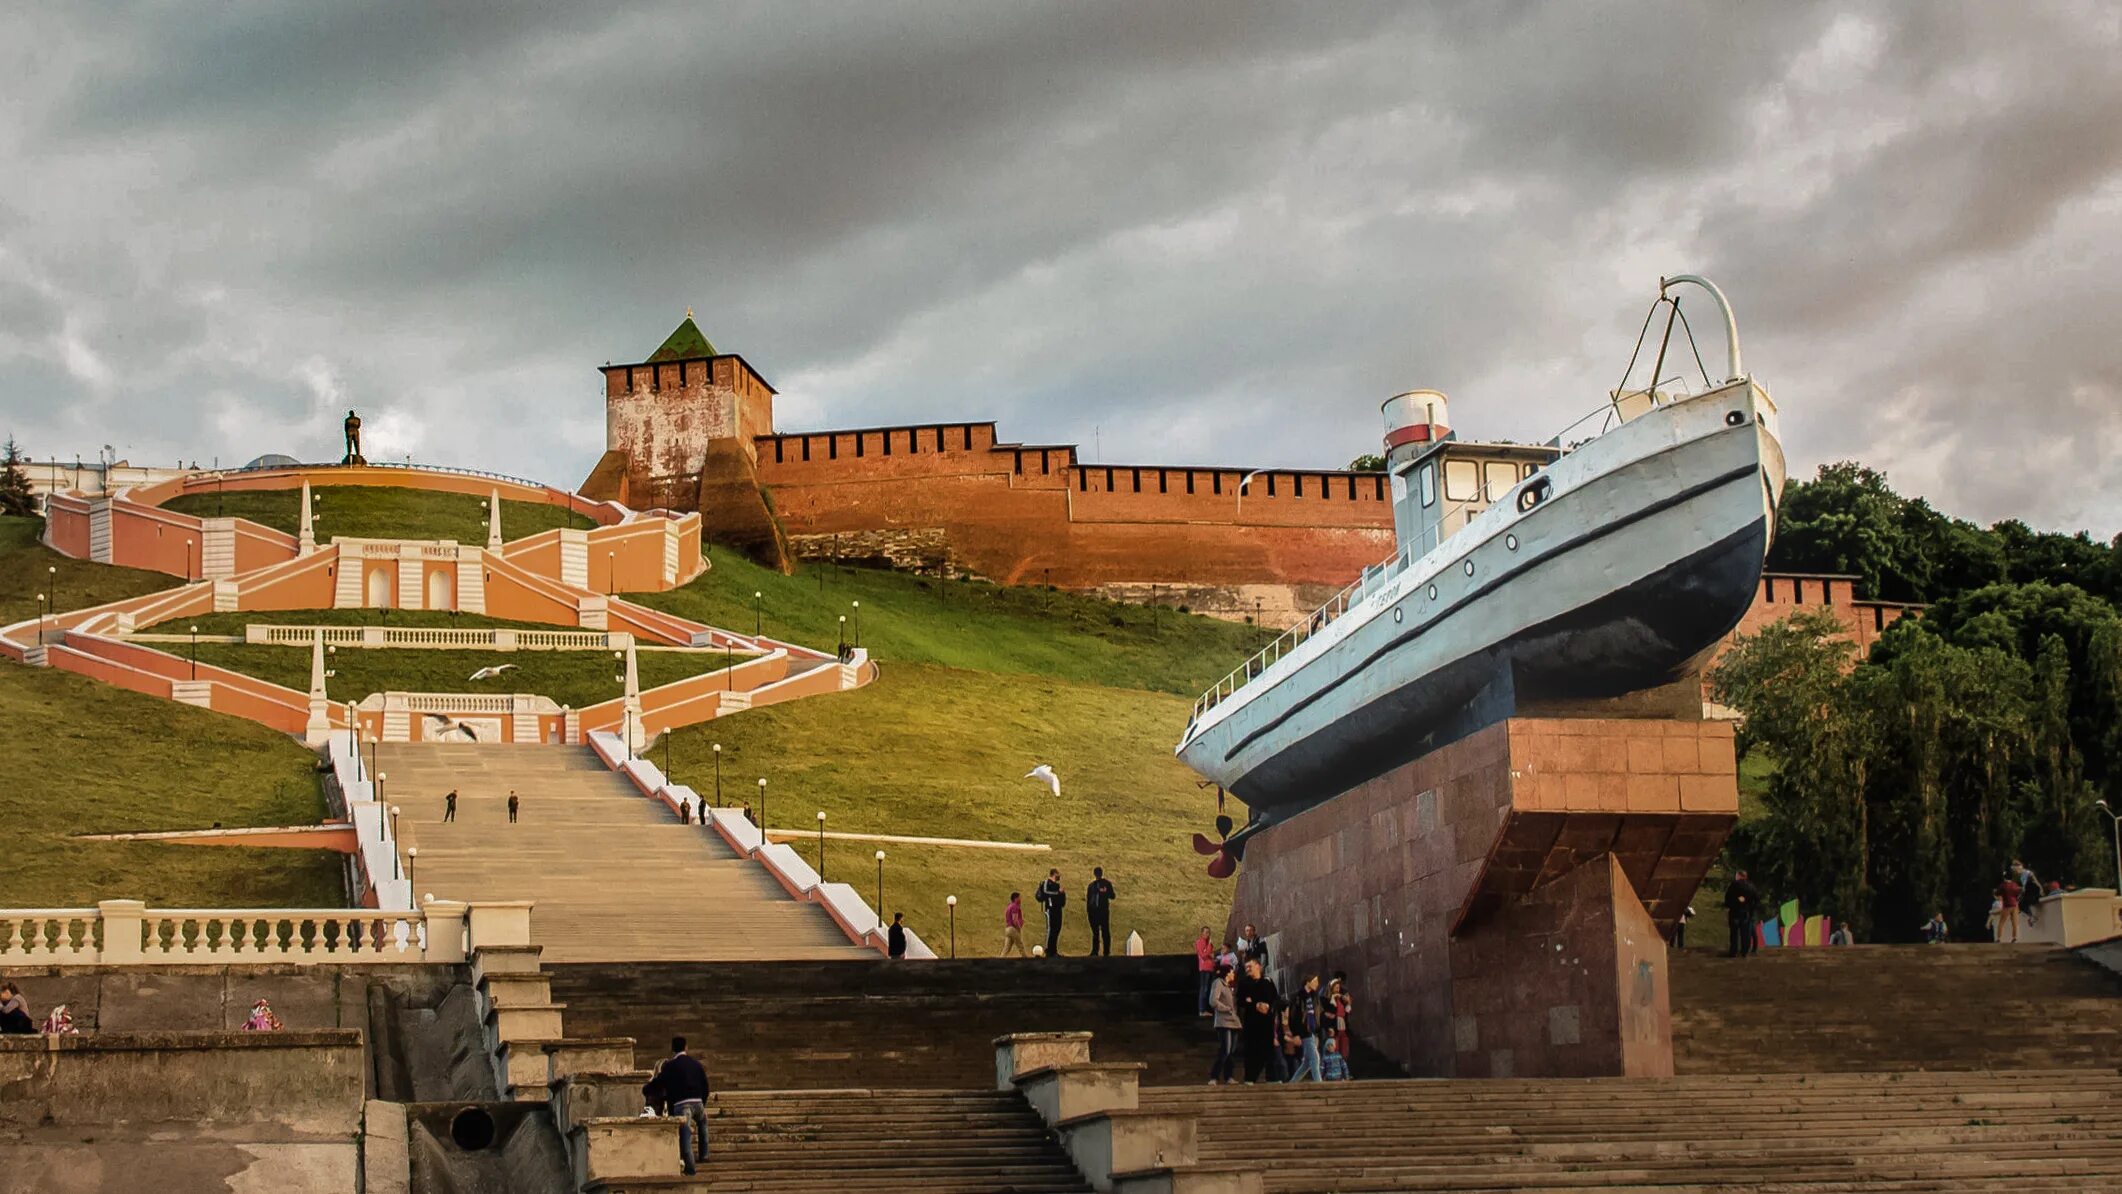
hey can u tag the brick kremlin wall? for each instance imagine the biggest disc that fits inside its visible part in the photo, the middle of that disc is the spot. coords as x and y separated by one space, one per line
948 496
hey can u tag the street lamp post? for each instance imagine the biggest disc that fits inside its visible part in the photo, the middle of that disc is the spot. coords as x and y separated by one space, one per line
951 902
858 625
44 612
353 729
718 775
762 812
880 885
394 822
729 663
411 856
195 652
821 845
51 584
843 636
2116 819
759 612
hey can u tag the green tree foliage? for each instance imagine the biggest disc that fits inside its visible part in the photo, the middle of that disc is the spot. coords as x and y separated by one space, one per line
1372 463
15 496
1848 519
1980 732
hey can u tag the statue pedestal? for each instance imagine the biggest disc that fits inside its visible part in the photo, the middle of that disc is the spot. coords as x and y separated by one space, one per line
1500 905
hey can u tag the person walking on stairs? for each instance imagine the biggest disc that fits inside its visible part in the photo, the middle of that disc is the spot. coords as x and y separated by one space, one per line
1098 904
1306 1018
1742 901
512 805
1013 925
895 940
1205 964
1053 897
682 1081
1257 998
1223 1005
449 806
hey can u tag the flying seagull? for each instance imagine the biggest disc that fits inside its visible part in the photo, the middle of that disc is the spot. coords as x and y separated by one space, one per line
488 673
1045 775
450 730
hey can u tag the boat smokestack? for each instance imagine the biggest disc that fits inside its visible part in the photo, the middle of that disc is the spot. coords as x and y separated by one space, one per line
1413 421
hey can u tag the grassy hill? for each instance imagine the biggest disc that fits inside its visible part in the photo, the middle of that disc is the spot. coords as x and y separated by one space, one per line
933 751
28 568
979 684
84 757
373 512
968 624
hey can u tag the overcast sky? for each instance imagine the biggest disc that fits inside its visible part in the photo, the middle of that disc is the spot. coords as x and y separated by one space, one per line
1173 233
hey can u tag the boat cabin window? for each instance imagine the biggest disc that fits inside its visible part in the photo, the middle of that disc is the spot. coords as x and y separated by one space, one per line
1462 480
1497 476
1429 485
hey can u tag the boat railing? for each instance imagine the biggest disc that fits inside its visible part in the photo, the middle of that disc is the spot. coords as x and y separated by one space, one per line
1608 415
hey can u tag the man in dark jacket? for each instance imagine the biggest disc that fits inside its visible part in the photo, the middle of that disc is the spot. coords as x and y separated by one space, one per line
1742 904
1258 1002
1098 902
683 1082
895 939
1053 897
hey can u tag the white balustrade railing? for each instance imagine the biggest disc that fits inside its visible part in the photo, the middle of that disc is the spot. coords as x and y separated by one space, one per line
441 702
500 639
127 932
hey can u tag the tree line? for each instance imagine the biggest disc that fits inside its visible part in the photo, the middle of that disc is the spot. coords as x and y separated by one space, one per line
1904 782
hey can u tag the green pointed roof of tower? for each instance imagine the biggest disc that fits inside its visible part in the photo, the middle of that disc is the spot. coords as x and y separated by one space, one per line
684 344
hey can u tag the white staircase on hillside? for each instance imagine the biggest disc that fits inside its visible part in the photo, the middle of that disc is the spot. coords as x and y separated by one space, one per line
193 692
614 875
99 530
217 547
471 582
670 553
574 557
346 583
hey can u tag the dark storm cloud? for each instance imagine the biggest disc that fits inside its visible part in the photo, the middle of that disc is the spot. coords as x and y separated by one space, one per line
1177 232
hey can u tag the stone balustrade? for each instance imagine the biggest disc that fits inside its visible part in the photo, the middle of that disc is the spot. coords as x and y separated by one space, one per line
128 932
431 638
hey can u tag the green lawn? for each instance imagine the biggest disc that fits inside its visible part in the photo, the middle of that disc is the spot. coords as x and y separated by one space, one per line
365 512
26 570
939 752
969 624
84 757
574 678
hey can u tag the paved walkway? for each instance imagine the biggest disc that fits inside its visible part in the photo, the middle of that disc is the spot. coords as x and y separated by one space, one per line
616 878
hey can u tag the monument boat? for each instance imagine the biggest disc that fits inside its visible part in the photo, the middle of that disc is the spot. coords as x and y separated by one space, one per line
1527 576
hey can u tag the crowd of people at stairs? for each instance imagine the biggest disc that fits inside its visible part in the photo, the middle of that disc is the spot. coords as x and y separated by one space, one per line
15 1019
1283 1038
2017 897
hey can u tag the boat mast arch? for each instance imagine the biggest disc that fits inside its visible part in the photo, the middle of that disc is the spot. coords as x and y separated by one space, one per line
1731 325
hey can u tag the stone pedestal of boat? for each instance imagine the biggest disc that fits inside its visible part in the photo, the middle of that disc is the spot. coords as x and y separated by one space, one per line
1500 905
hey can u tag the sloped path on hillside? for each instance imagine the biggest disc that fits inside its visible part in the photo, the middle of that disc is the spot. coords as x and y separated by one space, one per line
614 877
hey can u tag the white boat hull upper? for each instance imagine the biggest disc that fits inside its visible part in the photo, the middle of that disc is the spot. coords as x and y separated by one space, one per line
1645 550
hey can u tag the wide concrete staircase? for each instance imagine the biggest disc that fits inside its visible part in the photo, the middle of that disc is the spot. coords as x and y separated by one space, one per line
614 875
894 1025
1893 1007
2024 1131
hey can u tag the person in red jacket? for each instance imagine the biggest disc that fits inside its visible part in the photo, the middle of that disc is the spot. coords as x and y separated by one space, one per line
2008 909
1013 925
1205 962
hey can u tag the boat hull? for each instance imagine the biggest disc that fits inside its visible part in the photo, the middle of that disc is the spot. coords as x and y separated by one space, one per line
1647 554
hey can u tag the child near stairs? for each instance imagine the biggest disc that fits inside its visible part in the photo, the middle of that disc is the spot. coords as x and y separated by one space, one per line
1332 1066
